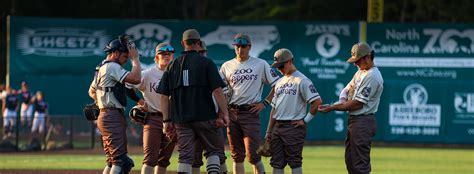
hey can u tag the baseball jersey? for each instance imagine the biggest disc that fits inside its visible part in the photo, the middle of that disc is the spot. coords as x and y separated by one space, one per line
26 97
368 85
11 101
40 106
151 78
245 79
108 75
292 93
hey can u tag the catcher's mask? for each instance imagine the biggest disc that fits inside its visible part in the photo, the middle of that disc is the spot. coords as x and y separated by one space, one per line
138 114
121 44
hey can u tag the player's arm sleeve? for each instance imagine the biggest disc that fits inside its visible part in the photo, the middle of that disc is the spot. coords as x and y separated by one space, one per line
270 76
308 91
117 72
215 80
366 90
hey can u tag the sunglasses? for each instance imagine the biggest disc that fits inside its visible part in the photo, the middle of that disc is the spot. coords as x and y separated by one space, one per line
241 41
166 48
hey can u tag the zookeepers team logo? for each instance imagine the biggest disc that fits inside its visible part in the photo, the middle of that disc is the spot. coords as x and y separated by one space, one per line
147 36
62 42
415 116
263 37
327 46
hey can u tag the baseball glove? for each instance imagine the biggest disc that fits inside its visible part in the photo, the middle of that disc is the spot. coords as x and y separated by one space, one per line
91 112
265 150
138 114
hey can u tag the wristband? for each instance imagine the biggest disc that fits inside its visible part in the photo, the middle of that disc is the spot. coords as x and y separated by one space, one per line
308 117
266 102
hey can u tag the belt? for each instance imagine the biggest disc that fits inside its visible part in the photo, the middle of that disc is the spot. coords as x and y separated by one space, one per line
362 115
111 109
155 113
284 121
243 107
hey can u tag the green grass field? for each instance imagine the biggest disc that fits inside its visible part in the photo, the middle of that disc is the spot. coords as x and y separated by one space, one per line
317 159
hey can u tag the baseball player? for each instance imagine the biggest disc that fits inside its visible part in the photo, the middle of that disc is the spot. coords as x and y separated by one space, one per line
288 118
363 97
26 111
197 163
10 109
187 87
245 76
108 90
157 147
41 111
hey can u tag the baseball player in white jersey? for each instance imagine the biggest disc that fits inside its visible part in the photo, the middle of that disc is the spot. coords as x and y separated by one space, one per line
287 126
364 91
246 76
157 147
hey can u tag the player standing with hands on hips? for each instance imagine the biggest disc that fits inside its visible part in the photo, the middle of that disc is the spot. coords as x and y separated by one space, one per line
109 91
364 91
287 126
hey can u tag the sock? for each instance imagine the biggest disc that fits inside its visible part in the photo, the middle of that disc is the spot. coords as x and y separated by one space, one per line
258 168
298 170
106 170
223 167
146 169
239 168
160 170
115 169
196 170
183 167
213 164
278 171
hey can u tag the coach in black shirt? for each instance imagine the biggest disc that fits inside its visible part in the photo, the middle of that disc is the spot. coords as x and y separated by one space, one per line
187 87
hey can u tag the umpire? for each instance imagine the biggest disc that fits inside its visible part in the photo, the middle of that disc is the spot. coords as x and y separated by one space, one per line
367 85
187 87
108 90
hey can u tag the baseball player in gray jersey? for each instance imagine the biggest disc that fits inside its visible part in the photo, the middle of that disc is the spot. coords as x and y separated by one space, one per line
157 147
108 90
245 76
363 97
287 126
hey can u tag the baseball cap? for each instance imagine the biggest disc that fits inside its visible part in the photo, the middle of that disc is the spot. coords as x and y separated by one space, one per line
281 56
164 47
191 34
241 39
358 51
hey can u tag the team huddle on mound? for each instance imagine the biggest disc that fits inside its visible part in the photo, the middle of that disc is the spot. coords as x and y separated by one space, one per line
189 103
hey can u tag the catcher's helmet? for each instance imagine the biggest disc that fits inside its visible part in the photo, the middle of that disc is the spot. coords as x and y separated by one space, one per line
119 44
138 114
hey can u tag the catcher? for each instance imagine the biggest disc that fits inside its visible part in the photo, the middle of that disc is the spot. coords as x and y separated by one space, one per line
287 126
108 90
157 148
